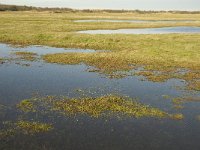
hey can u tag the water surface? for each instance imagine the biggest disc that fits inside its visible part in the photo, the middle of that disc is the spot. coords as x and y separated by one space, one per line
136 21
7 51
163 30
18 82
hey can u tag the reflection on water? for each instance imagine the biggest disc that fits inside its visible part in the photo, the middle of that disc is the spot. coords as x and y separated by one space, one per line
18 82
163 30
135 21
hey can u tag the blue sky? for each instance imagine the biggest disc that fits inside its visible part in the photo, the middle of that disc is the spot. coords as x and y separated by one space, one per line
113 4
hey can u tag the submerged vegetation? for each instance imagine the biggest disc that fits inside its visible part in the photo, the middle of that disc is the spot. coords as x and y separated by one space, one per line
94 107
33 127
30 113
178 102
30 56
23 127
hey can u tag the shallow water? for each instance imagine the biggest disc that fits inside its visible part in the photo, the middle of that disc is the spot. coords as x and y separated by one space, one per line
18 82
163 30
135 21
7 51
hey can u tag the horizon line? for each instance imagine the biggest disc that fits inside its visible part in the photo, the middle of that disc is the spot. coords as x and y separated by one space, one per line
78 8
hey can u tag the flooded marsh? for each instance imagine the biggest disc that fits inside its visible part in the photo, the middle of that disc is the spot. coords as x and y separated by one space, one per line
70 100
60 89
30 56
162 30
135 21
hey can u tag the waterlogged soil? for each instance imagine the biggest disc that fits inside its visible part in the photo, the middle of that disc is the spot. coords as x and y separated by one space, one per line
49 106
163 30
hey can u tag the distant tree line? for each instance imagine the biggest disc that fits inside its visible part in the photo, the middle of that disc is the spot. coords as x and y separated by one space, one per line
60 10
29 8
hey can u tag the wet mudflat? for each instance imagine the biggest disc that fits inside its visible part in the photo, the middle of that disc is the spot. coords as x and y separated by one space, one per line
162 30
21 79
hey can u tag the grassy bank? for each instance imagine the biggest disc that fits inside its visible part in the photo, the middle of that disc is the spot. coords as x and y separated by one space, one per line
58 29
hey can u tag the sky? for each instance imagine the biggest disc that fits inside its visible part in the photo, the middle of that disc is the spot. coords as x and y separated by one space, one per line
112 4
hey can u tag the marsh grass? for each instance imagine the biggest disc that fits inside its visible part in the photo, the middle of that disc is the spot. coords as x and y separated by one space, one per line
96 107
29 56
45 28
30 128
109 105
165 54
22 127
178 102
26 106
31 112
155 68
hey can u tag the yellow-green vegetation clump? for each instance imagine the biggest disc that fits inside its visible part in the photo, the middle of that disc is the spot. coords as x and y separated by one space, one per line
26 106
30 56
24 127
194 79
178 116
96 107
27 127
107 104
6 133
1 60
198 117
51 107
178 102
